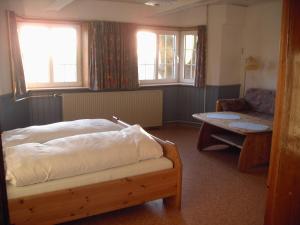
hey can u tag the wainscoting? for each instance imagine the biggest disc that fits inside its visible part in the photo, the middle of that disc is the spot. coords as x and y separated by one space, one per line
43 110
13 114
179 103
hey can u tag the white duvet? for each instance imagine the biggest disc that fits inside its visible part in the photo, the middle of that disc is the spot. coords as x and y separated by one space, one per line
33 163
44 133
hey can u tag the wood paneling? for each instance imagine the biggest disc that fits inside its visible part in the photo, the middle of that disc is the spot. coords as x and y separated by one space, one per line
13 114
283 203
4 217
44 110
179 103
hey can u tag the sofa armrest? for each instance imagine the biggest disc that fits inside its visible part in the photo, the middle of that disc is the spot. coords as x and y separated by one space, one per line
234 104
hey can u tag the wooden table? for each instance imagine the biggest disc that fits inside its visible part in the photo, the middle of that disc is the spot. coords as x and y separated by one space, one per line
255 146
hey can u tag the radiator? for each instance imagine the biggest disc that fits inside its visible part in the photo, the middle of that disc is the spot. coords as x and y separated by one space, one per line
142 107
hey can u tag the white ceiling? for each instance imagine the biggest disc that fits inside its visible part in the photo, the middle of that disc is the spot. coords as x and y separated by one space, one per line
176 2
165 7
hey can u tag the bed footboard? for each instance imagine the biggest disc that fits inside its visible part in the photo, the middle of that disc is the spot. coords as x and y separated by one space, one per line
171 152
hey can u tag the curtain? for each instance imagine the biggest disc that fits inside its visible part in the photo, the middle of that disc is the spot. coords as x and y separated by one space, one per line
18 78
201 57
112 54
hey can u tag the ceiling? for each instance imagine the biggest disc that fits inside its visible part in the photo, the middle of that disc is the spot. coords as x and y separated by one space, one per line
175 2
164 6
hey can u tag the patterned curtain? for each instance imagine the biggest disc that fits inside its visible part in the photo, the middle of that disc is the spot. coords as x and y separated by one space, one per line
18 78
112 54
201 57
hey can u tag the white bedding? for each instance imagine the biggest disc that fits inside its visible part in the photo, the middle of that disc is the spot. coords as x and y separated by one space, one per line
33 163
44 133
139 168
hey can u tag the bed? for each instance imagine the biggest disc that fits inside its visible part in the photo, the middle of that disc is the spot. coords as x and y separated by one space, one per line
90 194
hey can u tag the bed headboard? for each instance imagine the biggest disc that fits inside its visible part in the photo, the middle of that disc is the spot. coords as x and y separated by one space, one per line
4 214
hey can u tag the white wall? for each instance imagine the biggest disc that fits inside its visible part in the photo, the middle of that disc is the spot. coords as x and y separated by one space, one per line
88 10
262 41
5 75
5 83
236 32
225 25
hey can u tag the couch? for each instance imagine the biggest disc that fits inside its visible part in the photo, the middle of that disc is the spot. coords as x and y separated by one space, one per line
256 102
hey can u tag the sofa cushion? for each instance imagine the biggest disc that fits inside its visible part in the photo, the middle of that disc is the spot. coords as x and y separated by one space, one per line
235 105
261 100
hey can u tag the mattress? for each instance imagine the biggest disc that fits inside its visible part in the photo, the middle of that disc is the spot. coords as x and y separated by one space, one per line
33 163
139 168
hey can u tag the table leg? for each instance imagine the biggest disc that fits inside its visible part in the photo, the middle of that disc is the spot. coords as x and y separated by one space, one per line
256 151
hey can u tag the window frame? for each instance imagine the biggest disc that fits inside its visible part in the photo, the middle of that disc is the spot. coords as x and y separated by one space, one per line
51 83
157 81
182 56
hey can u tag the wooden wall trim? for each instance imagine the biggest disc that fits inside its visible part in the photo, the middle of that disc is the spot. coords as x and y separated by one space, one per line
4 215
283 200
274 161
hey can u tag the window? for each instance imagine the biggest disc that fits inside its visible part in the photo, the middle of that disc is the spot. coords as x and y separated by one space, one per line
188 57
157 56
50 54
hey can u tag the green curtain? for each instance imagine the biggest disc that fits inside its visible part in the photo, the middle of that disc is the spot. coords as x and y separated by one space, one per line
18 78
112 54
201 57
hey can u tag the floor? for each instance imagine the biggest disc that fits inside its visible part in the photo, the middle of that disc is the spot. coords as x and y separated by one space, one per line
214 192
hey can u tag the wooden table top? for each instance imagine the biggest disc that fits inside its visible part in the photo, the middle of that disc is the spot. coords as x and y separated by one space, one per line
224 123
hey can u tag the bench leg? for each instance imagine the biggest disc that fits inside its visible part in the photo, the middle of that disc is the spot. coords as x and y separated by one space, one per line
256 151
205 139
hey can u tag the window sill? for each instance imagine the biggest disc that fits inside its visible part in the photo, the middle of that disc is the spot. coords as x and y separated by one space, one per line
56 89
166 84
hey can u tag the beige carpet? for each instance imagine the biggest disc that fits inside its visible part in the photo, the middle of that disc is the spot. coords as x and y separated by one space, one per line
214 192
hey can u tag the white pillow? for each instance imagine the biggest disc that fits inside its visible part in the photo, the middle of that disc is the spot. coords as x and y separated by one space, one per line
148 148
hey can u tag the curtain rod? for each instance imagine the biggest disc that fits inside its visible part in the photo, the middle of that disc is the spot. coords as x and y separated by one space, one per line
60 21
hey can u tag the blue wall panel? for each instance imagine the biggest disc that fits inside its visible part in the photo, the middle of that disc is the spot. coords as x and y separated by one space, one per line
180 102
13 114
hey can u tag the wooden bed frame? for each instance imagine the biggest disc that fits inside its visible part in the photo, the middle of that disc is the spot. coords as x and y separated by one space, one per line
74 203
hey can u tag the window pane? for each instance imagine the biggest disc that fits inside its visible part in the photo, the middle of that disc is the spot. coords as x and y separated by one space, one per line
187 72
49 53
170 72
162 41
146 55
167 57
142 72
64 54
194 57
166 71
150 72
188 56
170 41
162 71
35 52
190 42
193 71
